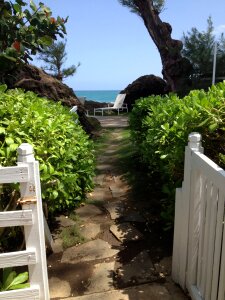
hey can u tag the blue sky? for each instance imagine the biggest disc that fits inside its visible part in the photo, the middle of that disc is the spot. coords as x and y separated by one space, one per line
113 45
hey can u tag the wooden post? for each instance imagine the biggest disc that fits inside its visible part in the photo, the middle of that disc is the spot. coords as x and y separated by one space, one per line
194 142
194 203
34 234
183 209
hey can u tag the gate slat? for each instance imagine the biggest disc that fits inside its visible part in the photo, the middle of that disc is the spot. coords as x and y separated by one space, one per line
201 227
177 236
14 174
16 218
206 225
218 243
28 294
193 232
221 289
211 241
17 258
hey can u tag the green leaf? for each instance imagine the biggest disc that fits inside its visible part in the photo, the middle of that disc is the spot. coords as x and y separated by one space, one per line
21 278
33 6
51 169
9 140
5 275
21 2
2 130
213 127
13 147
20 286
204 122
45 40
3 88
17 7
8 278
55 194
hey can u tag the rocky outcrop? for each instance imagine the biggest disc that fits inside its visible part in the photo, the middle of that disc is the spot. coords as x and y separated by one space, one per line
142 87
31 78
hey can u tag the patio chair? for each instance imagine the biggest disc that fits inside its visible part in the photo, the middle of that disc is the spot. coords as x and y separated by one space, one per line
118 105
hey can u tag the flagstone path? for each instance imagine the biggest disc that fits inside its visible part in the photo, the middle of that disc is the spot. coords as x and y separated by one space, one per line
115 261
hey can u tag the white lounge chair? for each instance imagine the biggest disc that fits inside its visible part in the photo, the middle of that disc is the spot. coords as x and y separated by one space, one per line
118 105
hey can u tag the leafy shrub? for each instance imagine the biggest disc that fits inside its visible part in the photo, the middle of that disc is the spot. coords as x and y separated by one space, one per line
160 127
60 144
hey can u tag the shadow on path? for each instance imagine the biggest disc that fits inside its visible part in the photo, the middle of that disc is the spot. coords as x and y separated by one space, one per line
122 257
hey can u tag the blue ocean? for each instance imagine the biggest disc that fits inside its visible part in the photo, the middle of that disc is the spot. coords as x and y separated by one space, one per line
99 96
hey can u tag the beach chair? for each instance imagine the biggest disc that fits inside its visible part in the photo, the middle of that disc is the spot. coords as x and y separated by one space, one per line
118 105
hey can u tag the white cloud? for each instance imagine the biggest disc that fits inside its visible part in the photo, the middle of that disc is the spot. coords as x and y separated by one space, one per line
219 29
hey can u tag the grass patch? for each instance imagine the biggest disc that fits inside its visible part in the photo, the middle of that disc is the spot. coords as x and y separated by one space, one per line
71 236
101 141
73 216
97 203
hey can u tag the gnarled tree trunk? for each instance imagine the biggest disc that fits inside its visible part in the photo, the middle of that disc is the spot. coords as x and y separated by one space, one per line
175 67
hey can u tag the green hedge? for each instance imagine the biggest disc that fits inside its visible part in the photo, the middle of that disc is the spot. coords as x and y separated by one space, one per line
160 128
61 146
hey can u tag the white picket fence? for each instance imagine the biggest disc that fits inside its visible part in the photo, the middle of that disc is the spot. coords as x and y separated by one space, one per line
31 217
199 234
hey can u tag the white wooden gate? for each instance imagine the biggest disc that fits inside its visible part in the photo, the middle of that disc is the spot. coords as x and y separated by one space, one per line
31 217
199 235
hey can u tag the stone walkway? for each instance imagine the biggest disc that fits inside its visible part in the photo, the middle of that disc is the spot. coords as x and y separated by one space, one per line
112 264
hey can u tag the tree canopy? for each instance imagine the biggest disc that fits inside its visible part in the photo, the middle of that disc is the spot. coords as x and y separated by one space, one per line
55 57
199 48
158 5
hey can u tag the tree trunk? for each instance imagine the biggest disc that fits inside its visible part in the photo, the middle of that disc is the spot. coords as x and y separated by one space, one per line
175 67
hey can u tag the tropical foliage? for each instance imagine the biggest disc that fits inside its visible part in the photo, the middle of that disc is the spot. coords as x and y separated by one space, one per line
160 128
61 146
25 30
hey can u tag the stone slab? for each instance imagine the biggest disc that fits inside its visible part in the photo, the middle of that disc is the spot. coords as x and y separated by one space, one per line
88 211
57 245
113 121
59 288
99 179
164 266
115 209
125 232
175 290
65 221
101 279
90 230
111 151
139 270
93 250
117 191
104 167
98 194
134 217
141 292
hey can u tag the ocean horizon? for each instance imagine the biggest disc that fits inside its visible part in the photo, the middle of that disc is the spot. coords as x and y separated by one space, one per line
98 95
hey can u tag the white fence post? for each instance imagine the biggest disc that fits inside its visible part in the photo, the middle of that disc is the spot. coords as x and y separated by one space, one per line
182 209
34 234
194 202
